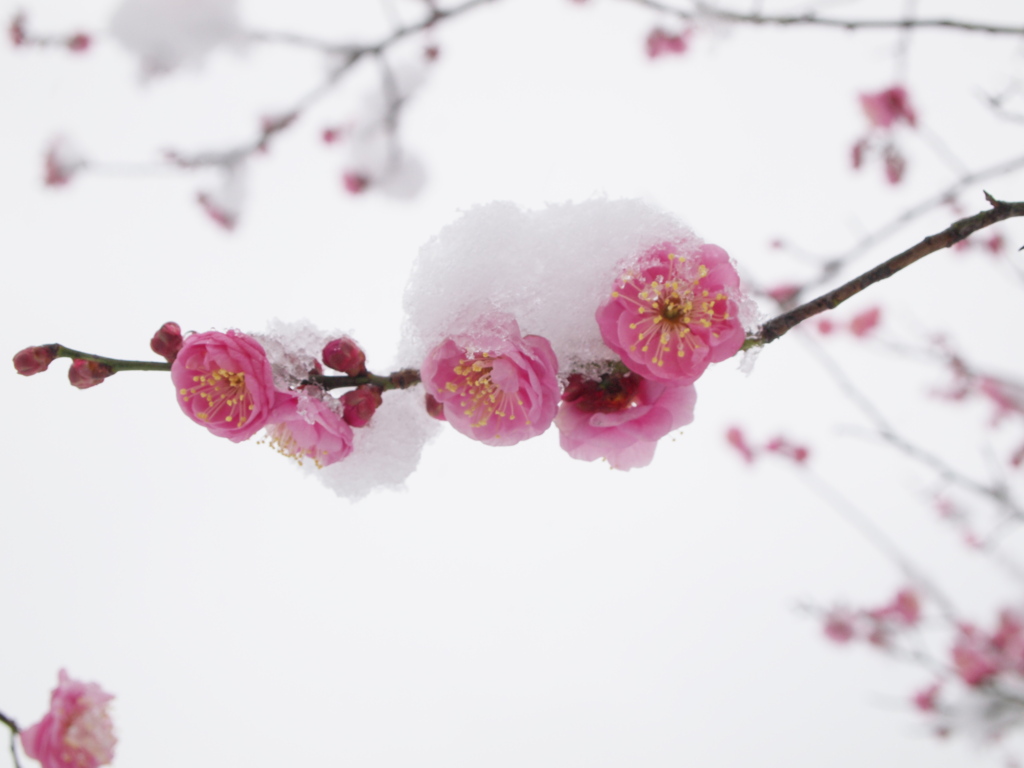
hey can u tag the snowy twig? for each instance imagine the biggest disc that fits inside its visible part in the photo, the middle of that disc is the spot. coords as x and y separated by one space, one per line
959 230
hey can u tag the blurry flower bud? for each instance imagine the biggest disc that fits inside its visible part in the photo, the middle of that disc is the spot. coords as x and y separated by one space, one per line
435 408
79 43
35 360
88 373
167 341
354 182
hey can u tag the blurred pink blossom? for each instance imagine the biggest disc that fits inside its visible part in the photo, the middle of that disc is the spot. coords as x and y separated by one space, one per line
495 385
661 42
669 315
76 732
224 382
738 440
306 426
895 164
620 417
864 322
61 162
888 107
790 450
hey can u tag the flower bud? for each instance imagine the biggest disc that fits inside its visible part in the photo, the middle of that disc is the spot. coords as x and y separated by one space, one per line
88 373
354 182
167 341
35 360
79 42
344 355
360 404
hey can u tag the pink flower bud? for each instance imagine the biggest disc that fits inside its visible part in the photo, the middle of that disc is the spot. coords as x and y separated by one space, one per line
738 440
167 341
865 322
331 135
360 404
88 373
435 407
16 31
925 700
79 43
35 360
354 182
895 165
344 355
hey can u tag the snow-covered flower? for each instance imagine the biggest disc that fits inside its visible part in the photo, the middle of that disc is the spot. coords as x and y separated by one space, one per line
671 315
306 426
495 386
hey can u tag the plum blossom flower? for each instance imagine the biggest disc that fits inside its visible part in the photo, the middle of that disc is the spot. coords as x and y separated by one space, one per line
889 107
76 732
306 426
224 382
620 417
670 315
495 386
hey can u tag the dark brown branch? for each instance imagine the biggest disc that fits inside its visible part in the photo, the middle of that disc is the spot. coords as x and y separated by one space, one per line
953 234
705 10
14 733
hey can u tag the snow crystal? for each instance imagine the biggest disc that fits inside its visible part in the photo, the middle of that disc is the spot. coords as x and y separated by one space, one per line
165 34
387 451
550 268
293 349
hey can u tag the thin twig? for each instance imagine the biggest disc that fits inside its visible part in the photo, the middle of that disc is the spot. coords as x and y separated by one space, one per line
14 733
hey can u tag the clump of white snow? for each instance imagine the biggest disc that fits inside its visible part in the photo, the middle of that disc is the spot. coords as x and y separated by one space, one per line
549 268
166 34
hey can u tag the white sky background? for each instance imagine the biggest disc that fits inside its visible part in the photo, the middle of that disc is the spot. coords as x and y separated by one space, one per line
514 607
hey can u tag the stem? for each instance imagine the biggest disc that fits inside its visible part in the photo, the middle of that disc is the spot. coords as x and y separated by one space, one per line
115 365
14 732
404 379
959 230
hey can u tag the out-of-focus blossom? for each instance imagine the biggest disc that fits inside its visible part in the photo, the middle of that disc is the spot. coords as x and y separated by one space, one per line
925 700
864 322
496 386
360 404
33 360
307 427
354 182
344 355
16 29
791 450
620 417
839 625
973 656
888 107
88 373
736 438
905 609
224 382
167 341
671 315
661 42
77 731
785 293
79 43
61 162
895 164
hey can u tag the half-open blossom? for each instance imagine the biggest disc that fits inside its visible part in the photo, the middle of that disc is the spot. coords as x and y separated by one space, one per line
307 427
887 107
224 382
495 386
33 360
670 316
620 417
76 732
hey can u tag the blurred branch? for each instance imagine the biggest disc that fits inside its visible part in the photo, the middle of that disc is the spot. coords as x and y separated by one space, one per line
959 230
14 733
708 10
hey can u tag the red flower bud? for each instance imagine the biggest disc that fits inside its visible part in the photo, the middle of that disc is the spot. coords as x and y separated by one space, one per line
360 404
354 182
88 373
434 408
344 355
79 43
167 341
35 360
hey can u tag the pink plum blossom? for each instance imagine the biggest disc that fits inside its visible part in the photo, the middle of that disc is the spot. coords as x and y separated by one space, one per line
669 316
495 386
76 732
224 382
306 426
888 107
620 417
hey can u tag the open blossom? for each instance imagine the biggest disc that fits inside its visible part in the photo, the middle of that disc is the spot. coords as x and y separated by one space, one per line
620 417
670 316
497 386
306 426
224 382
76 732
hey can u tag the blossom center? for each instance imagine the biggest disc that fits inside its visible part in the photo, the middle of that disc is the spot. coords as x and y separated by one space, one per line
227 398
480 392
